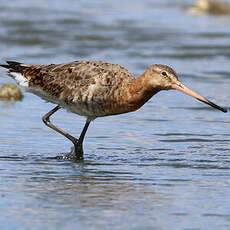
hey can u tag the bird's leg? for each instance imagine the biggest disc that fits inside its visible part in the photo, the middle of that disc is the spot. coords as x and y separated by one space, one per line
78 146
46 120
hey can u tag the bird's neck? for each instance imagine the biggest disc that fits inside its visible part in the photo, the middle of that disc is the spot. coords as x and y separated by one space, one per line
140 91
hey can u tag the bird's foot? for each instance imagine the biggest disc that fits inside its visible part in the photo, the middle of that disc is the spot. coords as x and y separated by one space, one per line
76 154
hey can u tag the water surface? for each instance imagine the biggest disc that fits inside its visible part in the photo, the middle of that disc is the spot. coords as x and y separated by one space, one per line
166 166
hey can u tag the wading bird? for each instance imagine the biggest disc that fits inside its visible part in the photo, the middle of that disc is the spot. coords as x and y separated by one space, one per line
95 89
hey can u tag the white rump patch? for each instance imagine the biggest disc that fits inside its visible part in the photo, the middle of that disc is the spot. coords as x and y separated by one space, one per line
20 79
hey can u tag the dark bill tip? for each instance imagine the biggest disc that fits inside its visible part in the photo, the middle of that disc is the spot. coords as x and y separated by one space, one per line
214 105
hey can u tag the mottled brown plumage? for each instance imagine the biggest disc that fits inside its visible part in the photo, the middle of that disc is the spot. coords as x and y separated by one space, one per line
88 88
95 89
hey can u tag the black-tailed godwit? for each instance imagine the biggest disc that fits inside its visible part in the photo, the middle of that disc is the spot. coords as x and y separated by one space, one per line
95 89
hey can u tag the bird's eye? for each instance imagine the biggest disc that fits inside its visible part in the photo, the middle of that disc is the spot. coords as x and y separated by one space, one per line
164 74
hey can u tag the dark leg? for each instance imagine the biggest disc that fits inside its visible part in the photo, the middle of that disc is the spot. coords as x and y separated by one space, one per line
78 146
46 120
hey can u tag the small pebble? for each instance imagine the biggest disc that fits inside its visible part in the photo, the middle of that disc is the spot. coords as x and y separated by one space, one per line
212 7
10 92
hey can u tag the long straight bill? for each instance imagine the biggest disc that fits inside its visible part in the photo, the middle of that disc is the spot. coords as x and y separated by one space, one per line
179 86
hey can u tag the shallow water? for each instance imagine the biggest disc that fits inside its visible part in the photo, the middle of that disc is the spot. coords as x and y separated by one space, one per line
166 166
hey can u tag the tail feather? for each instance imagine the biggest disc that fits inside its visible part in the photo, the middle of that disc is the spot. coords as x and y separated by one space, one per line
16 70
13 66
4 66
13 63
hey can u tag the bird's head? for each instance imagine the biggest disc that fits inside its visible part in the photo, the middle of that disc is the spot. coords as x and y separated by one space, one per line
163 77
